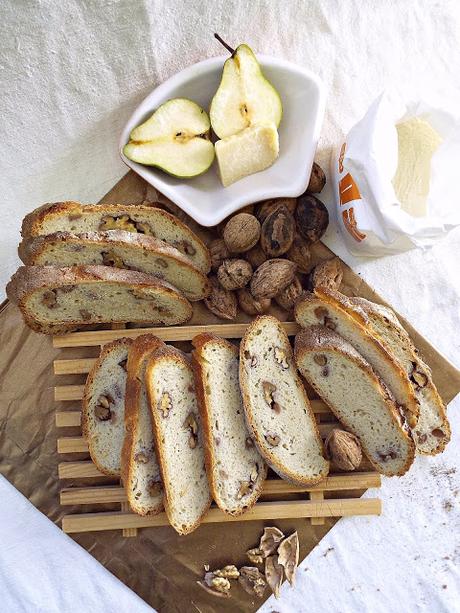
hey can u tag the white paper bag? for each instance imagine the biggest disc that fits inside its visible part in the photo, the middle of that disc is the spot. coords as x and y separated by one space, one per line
369 214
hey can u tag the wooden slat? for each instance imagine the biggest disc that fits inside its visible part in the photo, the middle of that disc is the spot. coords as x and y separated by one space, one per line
334 483
89 522
78 470
317 497
68 392
77 444
172 333
73 367
65 419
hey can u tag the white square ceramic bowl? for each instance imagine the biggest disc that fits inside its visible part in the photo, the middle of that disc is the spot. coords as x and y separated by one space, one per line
203 197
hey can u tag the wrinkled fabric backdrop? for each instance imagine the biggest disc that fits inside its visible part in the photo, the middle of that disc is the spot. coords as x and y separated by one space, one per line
71 73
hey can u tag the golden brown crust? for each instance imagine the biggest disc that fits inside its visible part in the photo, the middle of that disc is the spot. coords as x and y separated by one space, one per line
92 375
199 343
32 224
260 443
335 299
320 338
140 349
166 354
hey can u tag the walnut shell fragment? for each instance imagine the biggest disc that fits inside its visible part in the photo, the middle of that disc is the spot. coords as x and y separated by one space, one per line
220 301
312 218
288 556
272 277
344 449
288 296
234 274
274 572
327 274
270 540
252 581
317 179
251 305
277 234
213 591
241 232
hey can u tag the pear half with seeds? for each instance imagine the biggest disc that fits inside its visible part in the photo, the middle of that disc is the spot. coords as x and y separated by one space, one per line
175 138
244 97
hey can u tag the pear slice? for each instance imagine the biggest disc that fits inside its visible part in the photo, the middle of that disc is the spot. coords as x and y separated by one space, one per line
244 97
251 150
175 138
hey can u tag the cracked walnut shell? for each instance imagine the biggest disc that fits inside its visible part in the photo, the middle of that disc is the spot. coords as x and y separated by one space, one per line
327 274
234 274
288 556
288 296
221 301
251 305
277 234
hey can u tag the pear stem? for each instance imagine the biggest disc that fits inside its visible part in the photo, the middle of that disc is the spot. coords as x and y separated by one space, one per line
222 42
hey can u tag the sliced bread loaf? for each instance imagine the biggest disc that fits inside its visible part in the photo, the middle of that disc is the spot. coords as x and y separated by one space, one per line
55 300
178 438
119 249
432 432
276 405
139 466
334 310
236 471
103 407
357 396
136 218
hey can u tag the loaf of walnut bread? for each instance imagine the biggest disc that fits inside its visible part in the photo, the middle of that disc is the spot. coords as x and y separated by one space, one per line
236 471
432 432
103 407
335 311
57 300
179 437
119 249
277 410
357 396
136 218
139 466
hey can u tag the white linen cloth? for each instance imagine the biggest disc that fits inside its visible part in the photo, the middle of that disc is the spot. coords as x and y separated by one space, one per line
70 75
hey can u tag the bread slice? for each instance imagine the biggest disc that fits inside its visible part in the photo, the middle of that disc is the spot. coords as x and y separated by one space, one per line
139 466
178 438
119 249
277 409
336 312
103 407
55 300
357 397
236 471
432 432
78 218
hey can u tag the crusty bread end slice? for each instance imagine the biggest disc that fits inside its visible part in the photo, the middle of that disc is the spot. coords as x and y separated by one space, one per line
357 397
236 471
139 466
178 436
103 406
277 409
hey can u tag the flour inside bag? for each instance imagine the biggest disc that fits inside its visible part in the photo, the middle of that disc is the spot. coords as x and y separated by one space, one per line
396 178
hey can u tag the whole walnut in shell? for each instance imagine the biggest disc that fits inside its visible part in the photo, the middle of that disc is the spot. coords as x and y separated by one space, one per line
317 179
277 233
256 256
344 449
251 305
221 301
270 278
234 274
288 296
300 253
268 206
327 274
241 232
312 218
219 252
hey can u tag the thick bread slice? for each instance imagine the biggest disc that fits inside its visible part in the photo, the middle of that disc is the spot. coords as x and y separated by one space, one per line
178 438
54 300
277 409
432 432
137 218
139 466
119 249
236 471
103 406
357 397
335 311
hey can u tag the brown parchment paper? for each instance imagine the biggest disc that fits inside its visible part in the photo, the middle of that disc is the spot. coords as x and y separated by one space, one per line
159 565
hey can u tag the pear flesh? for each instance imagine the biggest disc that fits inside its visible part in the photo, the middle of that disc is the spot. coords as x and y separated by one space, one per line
175 138
244 97
251 150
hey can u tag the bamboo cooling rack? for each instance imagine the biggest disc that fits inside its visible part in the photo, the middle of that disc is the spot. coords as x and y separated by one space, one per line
315 502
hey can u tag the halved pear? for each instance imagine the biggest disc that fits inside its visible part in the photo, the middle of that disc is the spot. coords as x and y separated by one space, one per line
251 150
175 138
244 97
